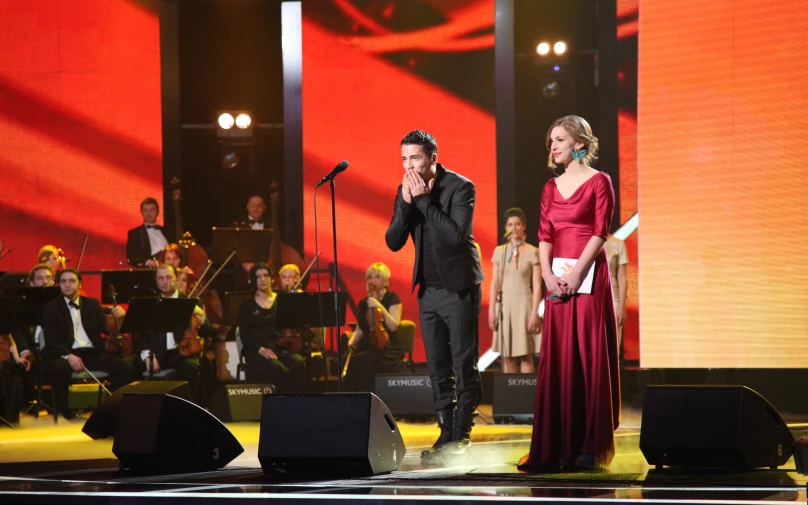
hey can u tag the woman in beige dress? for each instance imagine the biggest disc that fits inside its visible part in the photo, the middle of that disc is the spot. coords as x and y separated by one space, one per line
519 336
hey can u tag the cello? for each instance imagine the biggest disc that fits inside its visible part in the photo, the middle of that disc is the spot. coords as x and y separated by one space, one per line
118 344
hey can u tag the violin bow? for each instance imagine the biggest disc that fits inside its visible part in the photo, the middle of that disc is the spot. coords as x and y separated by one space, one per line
83 248
308 269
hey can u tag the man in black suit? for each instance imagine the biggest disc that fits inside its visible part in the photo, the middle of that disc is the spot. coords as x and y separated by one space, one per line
146 241
162 349
72 327
435 207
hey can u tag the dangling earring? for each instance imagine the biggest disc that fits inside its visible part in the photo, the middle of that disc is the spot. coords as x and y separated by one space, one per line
578 154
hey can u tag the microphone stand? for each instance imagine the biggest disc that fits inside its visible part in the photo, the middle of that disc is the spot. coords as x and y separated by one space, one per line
500 312
336 287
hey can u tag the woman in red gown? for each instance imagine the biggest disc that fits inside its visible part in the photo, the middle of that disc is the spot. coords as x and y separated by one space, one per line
577 391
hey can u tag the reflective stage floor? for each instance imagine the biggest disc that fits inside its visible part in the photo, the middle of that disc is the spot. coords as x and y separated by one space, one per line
43 463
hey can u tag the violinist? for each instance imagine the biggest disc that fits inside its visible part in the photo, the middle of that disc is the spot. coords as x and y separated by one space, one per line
72 325
145 242
162 350
174 255
379 312
53 257
266 361
289 275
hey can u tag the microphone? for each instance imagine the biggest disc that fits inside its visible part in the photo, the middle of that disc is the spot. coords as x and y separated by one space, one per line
339 168
507 234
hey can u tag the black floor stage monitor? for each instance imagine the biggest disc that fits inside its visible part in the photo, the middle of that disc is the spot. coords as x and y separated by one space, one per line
160 433
103 422
346 434
406 395
712 426
514 397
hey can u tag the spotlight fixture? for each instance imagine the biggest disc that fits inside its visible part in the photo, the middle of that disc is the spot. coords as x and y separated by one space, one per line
243 120
560 47
543 49
226 121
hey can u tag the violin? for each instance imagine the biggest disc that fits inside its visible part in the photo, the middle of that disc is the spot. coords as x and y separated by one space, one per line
191 344
379 336
118 344
5 348
279 253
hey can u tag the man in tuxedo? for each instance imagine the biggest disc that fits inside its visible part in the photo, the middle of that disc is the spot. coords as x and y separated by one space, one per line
435 207
146 241
72 325
161 350
256 208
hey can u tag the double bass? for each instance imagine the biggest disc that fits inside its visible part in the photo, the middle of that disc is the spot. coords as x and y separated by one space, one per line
279 253
195 257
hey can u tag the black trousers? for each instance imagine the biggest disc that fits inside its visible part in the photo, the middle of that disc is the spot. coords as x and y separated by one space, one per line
10 391
449 327
57 372
287 373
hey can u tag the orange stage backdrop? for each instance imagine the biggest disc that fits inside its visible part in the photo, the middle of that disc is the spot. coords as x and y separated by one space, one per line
80 126
722 182
369 77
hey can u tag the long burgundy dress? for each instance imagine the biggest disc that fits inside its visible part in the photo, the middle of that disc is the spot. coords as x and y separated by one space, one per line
578 388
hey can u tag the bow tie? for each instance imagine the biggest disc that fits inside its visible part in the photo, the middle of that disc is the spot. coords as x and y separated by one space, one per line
255 221
73 305
152 227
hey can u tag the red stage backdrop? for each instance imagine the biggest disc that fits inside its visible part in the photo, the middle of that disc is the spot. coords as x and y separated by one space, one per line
80 125
371 75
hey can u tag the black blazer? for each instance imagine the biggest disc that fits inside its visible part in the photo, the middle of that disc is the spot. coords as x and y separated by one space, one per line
138 247
57 325
450 210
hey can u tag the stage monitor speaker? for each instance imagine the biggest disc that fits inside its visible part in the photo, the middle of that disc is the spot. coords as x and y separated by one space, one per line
514 397
239 402
346 434
160 433
712 426
103 422
406 395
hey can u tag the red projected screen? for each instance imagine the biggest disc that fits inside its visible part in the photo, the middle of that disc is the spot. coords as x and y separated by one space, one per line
370 76
721 156
80 126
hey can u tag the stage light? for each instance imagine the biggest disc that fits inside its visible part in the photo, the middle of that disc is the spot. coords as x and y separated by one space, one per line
543 49
226 121
560 48
230 161
243 120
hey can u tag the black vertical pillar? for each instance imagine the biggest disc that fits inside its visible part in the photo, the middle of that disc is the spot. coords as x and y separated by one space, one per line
170 102
505 109
608 97
292 44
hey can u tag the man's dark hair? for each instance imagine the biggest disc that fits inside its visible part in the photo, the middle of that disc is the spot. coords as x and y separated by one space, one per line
423 139
150 201
69 271
255 194
516 212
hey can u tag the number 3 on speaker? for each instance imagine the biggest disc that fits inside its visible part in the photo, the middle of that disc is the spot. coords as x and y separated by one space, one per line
215 453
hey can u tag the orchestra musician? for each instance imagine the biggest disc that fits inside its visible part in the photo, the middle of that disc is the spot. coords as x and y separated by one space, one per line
256 208
173 254
379 312
266 361
144 243
289 275
11 367
53 257
72 325
162 350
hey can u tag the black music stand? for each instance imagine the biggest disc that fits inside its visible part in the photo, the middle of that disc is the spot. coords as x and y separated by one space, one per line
10 310
128 284
34 300
158 315
251 246
10 280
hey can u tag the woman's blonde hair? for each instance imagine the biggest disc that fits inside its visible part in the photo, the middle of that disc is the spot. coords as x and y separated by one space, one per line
289 266
45 252
378 268
580 131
